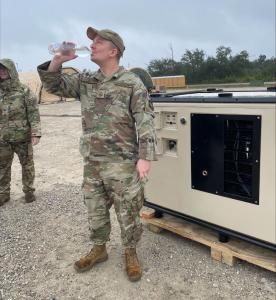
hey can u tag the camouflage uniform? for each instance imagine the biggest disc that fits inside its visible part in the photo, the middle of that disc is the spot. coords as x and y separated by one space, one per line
117 122
19 121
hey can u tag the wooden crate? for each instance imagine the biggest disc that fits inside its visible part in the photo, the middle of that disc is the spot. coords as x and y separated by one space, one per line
170 81
225 252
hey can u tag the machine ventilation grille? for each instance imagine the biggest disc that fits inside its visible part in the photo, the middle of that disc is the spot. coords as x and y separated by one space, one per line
238 157
225 155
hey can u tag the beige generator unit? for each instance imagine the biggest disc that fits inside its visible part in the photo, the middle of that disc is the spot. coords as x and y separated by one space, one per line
216 162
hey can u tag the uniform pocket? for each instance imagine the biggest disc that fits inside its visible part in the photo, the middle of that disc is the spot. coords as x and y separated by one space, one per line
84 146
132 185
87 119
102 105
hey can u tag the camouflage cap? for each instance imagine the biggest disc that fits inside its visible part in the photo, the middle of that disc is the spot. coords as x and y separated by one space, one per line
109 35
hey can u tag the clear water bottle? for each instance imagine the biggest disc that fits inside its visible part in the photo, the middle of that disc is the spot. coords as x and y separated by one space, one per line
65 47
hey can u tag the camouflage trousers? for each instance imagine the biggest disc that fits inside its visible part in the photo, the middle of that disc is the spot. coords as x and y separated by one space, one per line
24 151
104 184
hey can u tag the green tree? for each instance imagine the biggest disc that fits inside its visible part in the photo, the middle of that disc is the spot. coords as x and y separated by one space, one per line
223 67
193 64
223 58
240 64
164 67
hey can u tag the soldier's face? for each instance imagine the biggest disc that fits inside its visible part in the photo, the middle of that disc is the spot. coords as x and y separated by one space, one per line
102 50
4 74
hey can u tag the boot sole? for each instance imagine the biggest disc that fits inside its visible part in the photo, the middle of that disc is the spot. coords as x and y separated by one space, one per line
135 278
89 267
29 201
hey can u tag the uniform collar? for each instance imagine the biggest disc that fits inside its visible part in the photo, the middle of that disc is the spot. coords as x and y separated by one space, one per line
101 77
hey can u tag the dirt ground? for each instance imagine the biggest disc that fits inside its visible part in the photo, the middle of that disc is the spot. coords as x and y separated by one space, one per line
41 240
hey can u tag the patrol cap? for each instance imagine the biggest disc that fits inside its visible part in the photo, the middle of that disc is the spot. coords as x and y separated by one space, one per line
109 35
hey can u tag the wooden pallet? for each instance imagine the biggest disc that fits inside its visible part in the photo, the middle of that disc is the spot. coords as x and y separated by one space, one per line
225 252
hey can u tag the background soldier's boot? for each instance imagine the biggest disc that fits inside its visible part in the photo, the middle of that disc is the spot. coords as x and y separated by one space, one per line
4 198
29 197
97 254
133 267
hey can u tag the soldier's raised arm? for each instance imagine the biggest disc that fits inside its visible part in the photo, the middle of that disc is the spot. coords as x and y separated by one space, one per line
54 81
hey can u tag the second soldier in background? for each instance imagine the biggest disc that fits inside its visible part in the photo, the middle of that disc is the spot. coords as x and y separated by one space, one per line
19 130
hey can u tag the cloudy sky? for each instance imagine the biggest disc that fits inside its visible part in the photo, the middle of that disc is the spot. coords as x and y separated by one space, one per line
150 28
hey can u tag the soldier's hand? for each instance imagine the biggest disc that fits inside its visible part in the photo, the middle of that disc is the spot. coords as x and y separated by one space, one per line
143 167
62 56
67 52
35 140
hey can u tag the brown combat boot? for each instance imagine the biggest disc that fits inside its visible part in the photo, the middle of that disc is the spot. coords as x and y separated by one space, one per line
4 198
97 254
29 197
133 267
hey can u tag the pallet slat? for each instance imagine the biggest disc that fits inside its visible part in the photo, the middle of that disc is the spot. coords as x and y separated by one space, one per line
224 252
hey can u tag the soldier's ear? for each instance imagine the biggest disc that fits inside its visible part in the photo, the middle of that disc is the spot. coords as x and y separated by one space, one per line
115 52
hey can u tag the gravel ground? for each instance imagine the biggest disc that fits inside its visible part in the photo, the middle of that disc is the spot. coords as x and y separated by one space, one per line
41 240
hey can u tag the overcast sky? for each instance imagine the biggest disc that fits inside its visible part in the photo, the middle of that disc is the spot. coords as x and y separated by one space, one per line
150 28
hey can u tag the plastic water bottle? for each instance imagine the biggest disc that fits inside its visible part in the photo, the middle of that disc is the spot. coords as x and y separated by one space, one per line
65 47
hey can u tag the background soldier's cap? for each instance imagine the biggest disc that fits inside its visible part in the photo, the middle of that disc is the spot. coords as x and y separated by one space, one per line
144 76
109 35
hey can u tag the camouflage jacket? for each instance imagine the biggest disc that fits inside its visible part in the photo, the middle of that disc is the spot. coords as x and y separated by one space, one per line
117 117
19 114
